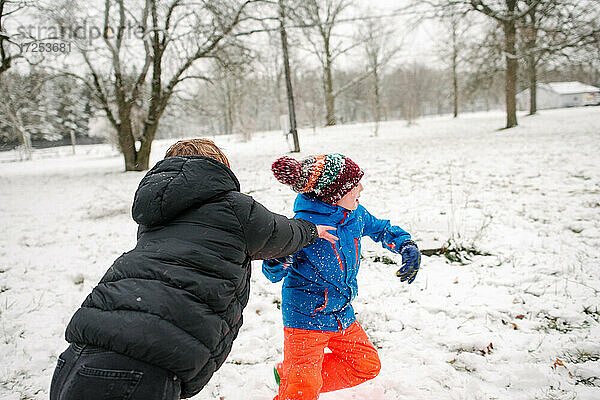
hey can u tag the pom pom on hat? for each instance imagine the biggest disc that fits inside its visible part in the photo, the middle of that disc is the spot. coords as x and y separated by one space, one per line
287 170
328 177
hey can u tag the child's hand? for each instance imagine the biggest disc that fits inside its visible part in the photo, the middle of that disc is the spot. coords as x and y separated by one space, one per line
277 268
323 234
411 261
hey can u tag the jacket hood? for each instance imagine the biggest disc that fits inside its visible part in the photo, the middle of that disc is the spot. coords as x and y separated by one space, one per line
177 184
336 214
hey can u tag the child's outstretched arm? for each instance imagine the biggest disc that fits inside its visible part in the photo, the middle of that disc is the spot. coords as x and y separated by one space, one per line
390 236
397 240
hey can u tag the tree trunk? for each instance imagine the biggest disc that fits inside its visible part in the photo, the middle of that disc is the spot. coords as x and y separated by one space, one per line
126 139
73 141
531 43
142 161
27 147
532 85
17 122
455 87
230 106
454 68
377 100
329 97
510 33
129 151
288 80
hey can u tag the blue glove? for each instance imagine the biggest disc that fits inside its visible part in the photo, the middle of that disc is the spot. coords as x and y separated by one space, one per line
276 269
411 261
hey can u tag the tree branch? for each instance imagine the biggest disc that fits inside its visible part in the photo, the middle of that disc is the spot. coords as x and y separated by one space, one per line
353 82
170 11
142 77
200 53
100 92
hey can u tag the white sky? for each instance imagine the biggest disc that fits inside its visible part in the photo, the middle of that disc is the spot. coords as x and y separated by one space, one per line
418 45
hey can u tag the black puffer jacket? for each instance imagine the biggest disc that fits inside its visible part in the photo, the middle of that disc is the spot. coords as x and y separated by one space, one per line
176 299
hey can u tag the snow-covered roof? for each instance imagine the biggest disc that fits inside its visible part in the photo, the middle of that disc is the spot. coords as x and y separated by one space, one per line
571 87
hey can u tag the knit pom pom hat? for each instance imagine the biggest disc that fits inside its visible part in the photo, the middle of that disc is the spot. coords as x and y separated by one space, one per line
329 177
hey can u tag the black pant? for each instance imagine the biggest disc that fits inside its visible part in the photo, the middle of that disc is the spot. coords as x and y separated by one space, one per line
85 372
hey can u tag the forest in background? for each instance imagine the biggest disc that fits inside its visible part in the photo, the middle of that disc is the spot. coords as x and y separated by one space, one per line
175 69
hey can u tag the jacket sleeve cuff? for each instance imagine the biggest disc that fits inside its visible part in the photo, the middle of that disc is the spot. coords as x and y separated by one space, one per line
407 243
313 232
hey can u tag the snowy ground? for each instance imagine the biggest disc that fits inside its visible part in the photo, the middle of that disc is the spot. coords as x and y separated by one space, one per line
521 323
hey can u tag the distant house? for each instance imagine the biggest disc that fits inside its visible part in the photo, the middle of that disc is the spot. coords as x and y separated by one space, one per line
560 94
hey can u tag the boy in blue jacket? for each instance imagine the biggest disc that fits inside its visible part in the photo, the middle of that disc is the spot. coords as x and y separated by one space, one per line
320 280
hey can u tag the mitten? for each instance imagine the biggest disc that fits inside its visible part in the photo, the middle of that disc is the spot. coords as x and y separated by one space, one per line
411 261
276 269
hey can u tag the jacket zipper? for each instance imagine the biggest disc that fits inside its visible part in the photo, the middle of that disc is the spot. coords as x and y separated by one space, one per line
345 215
357 254
338 256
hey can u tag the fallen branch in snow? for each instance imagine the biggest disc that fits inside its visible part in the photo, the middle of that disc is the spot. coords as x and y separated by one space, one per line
432 252
455 252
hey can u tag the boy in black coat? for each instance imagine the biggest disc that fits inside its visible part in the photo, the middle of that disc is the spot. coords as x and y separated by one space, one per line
163 318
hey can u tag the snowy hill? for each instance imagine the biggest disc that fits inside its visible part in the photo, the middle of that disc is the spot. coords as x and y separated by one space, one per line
520 323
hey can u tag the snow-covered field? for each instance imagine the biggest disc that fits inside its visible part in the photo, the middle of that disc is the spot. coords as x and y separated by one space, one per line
520 323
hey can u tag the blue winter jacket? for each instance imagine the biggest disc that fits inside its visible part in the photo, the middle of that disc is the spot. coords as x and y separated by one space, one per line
320 281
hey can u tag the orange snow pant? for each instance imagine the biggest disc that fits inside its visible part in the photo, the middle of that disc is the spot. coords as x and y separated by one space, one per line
307 370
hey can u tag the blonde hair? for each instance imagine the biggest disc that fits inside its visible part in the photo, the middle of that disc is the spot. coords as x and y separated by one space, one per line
197 147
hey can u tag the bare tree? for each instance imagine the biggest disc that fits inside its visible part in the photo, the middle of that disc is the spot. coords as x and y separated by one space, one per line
556 29
530 33
23 114
242 95
8 47
483 71
174 35
416 81
575 24
310 98
320 17
230 96
288 78
379 47
456 31
458 37
507 13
